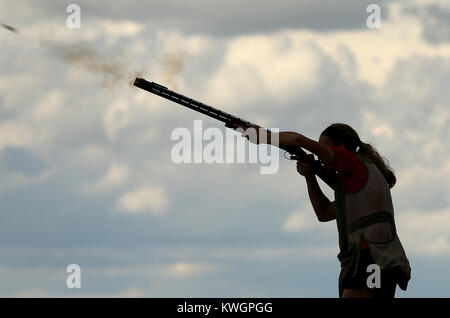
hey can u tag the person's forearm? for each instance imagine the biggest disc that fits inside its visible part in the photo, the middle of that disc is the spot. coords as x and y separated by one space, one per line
289 139
285 139
318 200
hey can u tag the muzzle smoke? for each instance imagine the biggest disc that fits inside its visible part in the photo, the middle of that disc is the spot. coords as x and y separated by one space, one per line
113 70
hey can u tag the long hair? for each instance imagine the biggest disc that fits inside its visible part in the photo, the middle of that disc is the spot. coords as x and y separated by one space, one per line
345 134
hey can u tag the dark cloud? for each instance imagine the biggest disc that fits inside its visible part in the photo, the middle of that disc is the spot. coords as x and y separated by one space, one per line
435 20
224 18
21 160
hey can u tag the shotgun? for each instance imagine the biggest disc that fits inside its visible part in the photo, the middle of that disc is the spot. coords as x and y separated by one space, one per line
229 120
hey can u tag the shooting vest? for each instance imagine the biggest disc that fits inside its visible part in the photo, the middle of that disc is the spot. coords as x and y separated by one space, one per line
369 214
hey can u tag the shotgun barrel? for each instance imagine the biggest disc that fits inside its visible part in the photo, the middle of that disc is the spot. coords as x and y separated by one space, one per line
296 153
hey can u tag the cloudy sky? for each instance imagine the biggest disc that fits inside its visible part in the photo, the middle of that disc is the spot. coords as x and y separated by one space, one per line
85 159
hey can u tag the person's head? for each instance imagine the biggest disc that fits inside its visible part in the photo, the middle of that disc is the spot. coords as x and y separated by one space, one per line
339 134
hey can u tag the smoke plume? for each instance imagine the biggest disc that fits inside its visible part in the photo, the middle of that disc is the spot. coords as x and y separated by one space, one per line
115 71
173 64
112 70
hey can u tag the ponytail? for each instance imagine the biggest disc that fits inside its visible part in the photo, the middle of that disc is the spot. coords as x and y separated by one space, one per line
382 163
346 135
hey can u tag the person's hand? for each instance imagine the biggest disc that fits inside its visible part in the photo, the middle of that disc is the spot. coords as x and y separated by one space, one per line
305 169
251 132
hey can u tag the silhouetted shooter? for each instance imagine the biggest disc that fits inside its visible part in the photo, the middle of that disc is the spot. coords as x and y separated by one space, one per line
362 208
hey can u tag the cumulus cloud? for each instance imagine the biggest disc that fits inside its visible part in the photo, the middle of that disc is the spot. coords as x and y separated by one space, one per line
188 269
15 133
50 107
261 66
225 19
391 84
116 118
46 30
426 232
299 221
118 28
116 175
435 17
287 65
153 200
